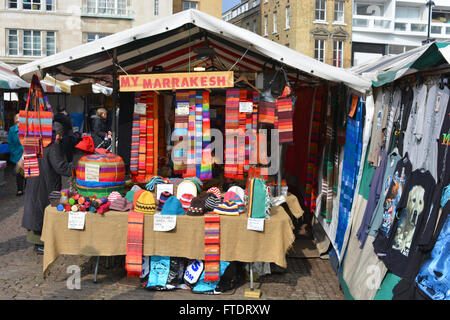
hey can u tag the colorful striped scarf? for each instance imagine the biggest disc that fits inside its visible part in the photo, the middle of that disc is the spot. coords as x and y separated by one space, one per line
180 130
134 156
133 260
212 247
231 132
284 117
206 165
191 169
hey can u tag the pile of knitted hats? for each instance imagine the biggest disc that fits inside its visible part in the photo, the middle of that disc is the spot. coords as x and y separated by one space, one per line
233 202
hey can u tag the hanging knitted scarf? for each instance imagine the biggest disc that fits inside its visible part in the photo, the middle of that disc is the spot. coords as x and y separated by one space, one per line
212 247
198 131
191 169
150 134
181 130
206 166
284 118
134 156
231 132
133 259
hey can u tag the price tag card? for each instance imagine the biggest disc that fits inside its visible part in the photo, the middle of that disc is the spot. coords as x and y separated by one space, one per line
255 224
160 188
182 108
76 220
164 222
140 108
246 107
92 172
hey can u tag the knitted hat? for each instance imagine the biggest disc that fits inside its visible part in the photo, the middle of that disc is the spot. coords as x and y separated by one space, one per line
172 207
197 207
121 204
228 208
211 202
186 187
86 144
136 196
145 203
239 191
130 194
113 196
58 127
186 200
215 191
162 199
233 197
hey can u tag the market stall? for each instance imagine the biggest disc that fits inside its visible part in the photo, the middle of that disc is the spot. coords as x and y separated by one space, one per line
399 216
221 142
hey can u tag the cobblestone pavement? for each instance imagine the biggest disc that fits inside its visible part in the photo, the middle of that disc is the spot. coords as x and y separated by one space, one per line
21 271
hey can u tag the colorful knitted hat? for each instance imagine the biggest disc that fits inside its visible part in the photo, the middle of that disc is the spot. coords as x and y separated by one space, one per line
239 191
228 208
145 203
186 200
163 198
113 196
197 207
215 191
136 196
231 196
173 207
211 202
121 204
86 144
130 194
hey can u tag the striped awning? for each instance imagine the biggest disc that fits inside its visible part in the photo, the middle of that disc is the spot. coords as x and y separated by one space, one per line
173 44
392 67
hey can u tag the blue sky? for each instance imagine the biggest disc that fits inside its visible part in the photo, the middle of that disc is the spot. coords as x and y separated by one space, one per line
227 4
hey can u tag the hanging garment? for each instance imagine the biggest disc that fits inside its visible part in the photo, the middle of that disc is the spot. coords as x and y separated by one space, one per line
352 160
231 132
375 143
135 243
212 247
206 162
181 131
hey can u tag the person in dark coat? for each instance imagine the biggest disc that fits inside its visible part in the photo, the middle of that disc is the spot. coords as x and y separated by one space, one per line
52 166
68 140
100 127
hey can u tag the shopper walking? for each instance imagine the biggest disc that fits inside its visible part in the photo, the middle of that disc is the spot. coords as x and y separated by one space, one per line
68 140
100 127
15 154
52 166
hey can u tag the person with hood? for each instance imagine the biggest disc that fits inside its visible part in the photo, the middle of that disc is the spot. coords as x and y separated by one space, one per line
100 127
15 153
68 140
52 166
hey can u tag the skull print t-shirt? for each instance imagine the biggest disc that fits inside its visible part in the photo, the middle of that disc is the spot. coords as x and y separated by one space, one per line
413 211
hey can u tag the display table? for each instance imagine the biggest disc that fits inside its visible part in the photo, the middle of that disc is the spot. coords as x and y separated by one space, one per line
107 236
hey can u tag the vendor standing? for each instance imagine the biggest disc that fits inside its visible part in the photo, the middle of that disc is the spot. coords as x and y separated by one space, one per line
15 153
100 127
52 166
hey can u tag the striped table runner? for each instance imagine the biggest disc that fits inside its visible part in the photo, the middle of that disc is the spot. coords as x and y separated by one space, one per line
212 247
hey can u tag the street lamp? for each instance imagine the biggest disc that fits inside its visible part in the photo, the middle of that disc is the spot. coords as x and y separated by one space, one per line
430 5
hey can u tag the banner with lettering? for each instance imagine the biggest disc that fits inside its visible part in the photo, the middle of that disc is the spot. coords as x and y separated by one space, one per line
176 81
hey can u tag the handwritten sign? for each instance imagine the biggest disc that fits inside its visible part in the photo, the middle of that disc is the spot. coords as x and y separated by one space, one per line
91 172
160 188
246 107
176 81
140 108
255 224
164 223
76 220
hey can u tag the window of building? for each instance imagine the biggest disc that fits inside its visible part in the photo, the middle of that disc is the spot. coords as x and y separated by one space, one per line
156 11
288 17
266 25
248 26
12 4
190 5
95 36
440 15
31 4
107 7
275 22
254 26
321 10
50 5
50 43
32 43
319 50
13 42
339 11
338 54
407 13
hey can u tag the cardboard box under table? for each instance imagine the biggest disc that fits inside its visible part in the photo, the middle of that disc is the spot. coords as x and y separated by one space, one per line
107 236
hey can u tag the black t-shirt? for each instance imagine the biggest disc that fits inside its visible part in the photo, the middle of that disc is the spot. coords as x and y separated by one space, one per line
443 146
413 213
401 122
400 177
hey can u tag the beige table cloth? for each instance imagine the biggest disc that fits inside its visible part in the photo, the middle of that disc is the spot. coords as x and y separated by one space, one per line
107 236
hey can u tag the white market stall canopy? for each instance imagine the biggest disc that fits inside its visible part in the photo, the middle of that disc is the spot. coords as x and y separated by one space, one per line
9 80
174 43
